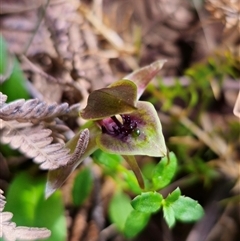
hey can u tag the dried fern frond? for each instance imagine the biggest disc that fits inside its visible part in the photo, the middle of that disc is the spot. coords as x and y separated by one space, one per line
33 110
35 142
228 11
3 99
10 232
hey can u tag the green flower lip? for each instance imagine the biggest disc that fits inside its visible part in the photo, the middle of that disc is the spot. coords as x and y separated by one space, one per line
139 134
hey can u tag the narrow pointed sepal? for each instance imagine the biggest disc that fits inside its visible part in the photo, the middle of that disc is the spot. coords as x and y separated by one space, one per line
82 148
143 76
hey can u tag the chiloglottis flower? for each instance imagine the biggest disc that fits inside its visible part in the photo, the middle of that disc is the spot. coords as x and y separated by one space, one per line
119 123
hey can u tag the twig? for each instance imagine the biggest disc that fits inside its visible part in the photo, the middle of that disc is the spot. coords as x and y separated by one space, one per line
111 36
43 12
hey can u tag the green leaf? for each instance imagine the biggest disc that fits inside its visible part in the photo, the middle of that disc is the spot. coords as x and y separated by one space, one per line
187 209
119 98
150 141
147 202
25 199
168 215
147 169
119 209
10 69
135 223
164 171
132 182
110 161
172 197
82 186
141 77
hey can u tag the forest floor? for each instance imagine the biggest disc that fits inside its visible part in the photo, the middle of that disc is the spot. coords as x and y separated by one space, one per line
67 49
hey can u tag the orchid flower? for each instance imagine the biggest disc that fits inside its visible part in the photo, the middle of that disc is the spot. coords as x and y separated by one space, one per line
118 123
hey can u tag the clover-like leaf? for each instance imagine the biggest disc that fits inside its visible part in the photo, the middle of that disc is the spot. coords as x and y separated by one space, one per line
164 171
142 137
147 202
119 98
135 223
187 209
172 197
169 216
119 209
143 76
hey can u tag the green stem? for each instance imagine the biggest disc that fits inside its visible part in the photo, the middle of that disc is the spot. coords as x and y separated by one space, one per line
135 168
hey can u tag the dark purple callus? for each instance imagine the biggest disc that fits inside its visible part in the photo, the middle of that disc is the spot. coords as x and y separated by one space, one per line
125 127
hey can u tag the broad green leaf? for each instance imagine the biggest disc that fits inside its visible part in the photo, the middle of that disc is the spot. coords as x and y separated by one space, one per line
143 76
147 202
119 98
135 223
10 69
25 198
172 197
119 209
149 142
82 186
168 215
187 209
164 171
110 161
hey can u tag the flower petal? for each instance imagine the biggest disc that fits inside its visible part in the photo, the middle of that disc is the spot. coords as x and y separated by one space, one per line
120 97
58 176
143 76
149 142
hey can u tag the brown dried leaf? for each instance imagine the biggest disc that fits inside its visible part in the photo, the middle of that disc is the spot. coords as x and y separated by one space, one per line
226 10
236 109
10 232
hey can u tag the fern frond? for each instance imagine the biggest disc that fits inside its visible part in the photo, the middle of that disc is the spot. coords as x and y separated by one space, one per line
33 110
35 142
10 232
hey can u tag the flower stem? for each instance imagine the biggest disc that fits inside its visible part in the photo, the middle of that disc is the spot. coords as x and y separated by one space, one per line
135 168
